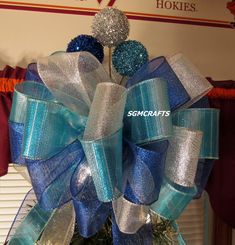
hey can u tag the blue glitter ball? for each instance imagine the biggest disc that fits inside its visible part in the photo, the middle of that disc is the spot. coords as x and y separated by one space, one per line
128 57
87 43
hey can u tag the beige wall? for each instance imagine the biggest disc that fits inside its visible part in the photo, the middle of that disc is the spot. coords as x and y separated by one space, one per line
27 35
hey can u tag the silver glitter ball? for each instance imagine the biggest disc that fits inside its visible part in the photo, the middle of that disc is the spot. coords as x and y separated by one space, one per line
110 26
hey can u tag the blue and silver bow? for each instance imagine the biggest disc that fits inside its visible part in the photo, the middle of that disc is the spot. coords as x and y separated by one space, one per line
89 158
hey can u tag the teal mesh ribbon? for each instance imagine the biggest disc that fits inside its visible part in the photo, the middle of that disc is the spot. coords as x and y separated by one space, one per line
172 200
104 156
28 232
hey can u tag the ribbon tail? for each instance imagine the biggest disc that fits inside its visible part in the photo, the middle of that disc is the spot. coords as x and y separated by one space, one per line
91 214
26 205
28 232
180 238
60 228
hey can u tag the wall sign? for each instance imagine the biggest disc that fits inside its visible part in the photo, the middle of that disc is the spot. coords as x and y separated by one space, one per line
212 13
110 3
176 5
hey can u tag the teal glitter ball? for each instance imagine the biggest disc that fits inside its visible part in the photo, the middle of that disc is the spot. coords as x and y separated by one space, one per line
128 57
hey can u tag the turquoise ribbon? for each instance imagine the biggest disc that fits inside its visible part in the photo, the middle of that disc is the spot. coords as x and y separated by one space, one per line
24 91
172 200
105 160
43 122
43 118
148 96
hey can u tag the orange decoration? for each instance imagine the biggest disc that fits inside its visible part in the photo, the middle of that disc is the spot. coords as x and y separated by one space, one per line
221 93
8 84
231 7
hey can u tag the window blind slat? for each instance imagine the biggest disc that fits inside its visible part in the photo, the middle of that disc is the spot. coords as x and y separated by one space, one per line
9 197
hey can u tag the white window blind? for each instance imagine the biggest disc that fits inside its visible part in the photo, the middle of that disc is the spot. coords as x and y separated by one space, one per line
13 188
193 223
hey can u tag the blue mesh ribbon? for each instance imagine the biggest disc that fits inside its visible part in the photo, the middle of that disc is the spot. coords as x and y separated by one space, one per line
204 169
144 168
91 213
16 142
51 177
144 235
32 73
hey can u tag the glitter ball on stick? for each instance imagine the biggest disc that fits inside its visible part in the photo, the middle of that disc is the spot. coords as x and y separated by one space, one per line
110 26
87 43
128 57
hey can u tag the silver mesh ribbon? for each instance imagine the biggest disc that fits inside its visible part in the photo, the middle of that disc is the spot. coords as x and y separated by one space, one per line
60 228
72 78
106 112
182 156
193 81
130 217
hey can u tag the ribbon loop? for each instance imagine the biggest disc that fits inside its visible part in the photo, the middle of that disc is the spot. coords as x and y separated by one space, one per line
143 171
193 81
172 200
106 112
22 93
105 160
149 96
182 156
43 122
72 78
159 67
130 217
51 177
178 188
